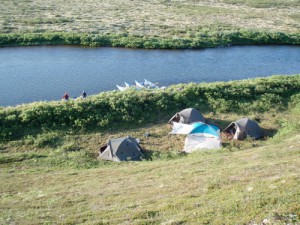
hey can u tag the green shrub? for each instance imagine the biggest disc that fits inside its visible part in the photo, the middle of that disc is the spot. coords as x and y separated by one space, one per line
292 125
144 106
202 40
266 102
287 128
46 139
295 101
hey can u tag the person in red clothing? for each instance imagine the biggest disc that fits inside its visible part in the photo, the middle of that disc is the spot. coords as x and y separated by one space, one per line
65 96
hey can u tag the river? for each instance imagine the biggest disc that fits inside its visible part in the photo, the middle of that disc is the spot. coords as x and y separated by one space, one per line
30 74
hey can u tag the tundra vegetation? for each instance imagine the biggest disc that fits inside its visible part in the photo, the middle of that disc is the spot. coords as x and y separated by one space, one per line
50 172
149 24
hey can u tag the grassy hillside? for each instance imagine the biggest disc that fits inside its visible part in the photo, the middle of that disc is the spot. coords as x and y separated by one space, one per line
244 183
249 186
149 24
54 177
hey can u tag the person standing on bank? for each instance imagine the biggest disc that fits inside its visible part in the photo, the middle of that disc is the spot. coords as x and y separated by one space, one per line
83 95
65 96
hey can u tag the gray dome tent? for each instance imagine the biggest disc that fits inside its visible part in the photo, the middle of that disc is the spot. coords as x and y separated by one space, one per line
121 149
243 128
187 116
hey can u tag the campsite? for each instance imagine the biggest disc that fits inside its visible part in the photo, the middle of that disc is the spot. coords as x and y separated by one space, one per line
54 173
200 152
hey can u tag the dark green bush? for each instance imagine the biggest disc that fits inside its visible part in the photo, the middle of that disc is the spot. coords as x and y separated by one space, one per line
267 101
202 40
139 107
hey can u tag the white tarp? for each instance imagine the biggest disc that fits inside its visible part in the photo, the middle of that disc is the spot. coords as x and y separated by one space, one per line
195 142
181 128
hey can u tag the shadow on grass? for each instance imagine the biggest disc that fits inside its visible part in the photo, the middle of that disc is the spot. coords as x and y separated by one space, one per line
150 155
269 132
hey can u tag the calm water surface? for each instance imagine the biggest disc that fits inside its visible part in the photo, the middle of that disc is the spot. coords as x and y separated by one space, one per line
30 74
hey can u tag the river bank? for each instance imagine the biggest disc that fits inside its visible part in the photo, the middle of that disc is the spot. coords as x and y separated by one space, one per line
110 109
204 40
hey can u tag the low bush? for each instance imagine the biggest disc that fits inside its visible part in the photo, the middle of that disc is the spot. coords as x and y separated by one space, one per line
46 139
292 124
132 108
205 40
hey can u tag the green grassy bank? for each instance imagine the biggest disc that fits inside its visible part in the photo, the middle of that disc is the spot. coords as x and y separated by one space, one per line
110 109
206 40
50 173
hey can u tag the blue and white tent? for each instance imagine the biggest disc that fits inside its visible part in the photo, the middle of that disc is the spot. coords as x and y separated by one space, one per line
199 136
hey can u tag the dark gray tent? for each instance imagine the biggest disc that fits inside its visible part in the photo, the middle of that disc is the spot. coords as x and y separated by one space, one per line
187 116
242 128
121 149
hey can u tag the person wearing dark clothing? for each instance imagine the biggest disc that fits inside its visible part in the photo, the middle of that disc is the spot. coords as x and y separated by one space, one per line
83 95
65 96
